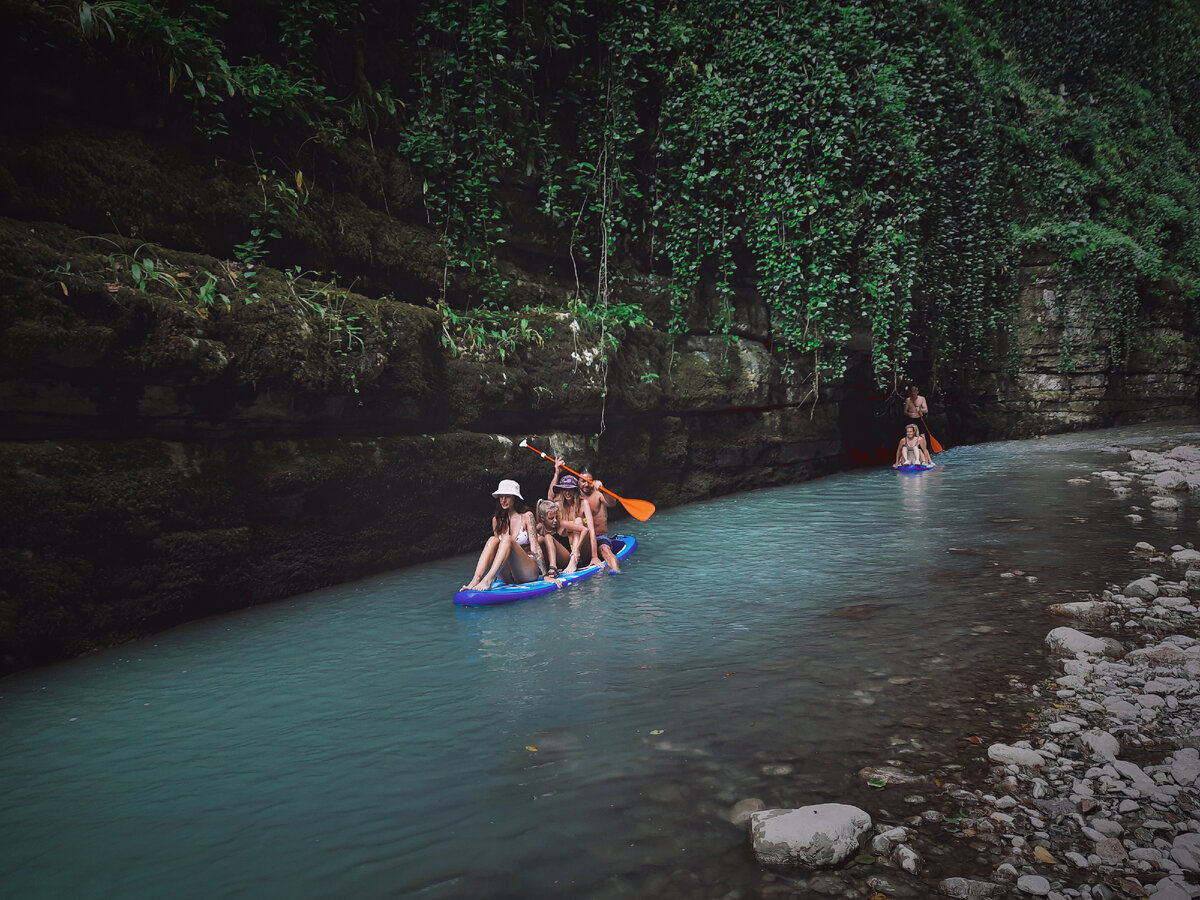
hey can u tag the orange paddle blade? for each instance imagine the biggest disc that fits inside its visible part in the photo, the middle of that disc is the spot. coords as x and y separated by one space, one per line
639 509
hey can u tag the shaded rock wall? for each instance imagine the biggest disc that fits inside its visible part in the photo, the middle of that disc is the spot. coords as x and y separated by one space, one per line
1064 367
167 459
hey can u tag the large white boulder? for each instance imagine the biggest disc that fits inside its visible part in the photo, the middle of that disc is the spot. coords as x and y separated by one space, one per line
1186 453
1143 589
1169 481
1072 641
1016 756
811 837
1100 744
1185 851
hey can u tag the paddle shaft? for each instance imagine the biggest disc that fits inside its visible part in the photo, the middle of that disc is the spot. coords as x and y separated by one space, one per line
639 509
934 446
569 469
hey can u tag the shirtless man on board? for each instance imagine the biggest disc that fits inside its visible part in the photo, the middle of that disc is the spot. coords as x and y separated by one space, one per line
599 502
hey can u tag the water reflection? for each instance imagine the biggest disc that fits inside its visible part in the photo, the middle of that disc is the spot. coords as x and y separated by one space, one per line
913 487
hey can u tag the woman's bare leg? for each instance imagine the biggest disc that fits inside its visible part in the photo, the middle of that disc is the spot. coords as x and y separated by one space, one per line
502 552
551 548
485 560
521 568
573 562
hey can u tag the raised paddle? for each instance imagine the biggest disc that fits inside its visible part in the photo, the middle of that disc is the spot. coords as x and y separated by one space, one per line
934 446
639 509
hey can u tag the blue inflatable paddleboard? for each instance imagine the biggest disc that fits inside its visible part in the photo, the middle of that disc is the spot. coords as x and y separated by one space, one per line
623 545
914 467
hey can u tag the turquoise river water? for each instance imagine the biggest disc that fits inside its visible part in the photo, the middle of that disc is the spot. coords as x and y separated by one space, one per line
372 740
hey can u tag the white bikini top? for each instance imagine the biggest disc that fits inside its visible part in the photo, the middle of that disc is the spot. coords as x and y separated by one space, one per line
523 538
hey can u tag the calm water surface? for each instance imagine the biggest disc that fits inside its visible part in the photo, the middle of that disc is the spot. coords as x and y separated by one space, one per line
373 740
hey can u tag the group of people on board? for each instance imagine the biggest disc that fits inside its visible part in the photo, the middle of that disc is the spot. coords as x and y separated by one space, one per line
912 449
566 530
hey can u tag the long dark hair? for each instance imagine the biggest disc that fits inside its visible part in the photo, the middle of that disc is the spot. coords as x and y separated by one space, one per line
501 516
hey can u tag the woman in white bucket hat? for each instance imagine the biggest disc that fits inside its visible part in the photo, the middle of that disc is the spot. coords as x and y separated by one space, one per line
513 551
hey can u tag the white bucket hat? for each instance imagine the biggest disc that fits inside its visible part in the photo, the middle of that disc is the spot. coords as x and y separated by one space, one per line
508 486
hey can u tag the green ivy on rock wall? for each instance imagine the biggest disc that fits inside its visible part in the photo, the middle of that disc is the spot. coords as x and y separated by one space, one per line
838 159
864 167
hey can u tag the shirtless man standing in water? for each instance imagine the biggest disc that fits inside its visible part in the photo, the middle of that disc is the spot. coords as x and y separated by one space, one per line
915 406
599 502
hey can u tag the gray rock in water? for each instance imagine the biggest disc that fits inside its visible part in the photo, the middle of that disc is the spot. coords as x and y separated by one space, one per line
1016 756
1056 809
1170 481
1110 850
1035 885
740 814
908 859
968 889
1172 888
1072 641
810 837
1143 589
1185 851
1090 610
1185 767
1162 655
1100 744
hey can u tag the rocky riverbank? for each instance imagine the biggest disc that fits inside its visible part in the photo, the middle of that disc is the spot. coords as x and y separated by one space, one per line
1098 795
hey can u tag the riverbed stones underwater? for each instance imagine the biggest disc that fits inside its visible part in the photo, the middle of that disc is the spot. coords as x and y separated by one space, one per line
1099 798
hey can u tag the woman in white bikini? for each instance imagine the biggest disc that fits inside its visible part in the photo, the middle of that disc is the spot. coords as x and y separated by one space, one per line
513 549
911 451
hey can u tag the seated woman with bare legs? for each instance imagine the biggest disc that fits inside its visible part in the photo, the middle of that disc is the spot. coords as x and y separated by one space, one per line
912 450
512 551
575 520
558 537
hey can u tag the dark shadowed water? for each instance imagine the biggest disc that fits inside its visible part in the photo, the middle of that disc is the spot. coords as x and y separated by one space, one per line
372 740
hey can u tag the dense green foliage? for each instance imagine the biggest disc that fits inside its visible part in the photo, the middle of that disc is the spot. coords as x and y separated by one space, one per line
863 166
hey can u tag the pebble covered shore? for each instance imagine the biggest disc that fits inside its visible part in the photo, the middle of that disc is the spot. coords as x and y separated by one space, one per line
1097 798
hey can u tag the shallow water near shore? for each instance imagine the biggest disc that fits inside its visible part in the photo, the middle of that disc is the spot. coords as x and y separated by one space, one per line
373 740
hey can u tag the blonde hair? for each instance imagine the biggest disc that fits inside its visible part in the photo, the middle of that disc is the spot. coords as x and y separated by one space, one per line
544 508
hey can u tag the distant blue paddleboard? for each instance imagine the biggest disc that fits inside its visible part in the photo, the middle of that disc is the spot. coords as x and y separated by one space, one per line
914 467
623 545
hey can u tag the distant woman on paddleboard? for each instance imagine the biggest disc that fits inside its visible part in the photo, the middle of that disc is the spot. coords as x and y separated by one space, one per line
912 450
513 549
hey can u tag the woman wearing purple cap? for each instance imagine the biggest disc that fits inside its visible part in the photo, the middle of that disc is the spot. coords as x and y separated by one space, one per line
512 550
575 520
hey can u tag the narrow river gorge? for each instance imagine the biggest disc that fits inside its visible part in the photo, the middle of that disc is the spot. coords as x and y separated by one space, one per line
592 743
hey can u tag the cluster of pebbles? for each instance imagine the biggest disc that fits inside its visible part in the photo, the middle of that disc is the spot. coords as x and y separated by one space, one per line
1098 800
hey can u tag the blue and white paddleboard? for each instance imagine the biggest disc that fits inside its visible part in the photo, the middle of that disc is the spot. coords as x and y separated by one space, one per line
623 545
